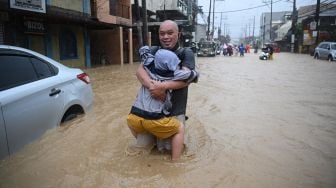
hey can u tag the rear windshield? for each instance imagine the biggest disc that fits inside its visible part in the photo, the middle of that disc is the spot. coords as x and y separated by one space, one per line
206 45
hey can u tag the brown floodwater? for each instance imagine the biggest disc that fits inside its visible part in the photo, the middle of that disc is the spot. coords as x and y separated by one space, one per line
252 123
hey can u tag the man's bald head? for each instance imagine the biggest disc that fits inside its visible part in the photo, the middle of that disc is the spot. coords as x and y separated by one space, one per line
169 23
168 34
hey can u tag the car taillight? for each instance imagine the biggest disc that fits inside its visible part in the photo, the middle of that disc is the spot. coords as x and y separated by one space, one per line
84 77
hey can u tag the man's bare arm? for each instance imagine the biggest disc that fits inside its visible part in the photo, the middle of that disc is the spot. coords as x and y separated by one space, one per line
156 88
172 84
143 77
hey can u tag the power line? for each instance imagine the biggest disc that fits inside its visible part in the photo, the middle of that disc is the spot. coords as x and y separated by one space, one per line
239 10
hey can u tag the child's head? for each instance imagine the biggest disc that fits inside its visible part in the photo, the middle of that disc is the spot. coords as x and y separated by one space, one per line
166 59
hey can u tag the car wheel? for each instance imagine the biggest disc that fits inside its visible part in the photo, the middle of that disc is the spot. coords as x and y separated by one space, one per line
72 113
69 117
316 56
330 58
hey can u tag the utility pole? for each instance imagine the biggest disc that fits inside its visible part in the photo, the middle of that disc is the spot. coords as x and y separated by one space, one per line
208 35
138 22
249 30
317 20
253 30
271 21
213 19
224 30
220 27
164 9
294 20
144 22
264 33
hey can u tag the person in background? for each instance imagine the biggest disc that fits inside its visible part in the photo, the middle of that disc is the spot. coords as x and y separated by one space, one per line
270 51
241 50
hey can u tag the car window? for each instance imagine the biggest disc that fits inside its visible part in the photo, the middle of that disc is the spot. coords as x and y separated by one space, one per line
325 46
333 46
43 69
15 71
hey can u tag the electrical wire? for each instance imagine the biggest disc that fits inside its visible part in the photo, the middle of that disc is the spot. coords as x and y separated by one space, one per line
239 10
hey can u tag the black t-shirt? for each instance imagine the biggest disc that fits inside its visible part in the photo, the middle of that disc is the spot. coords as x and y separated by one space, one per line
180 96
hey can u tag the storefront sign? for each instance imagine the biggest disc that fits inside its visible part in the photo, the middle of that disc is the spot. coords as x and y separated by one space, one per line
314 33
29 5
34 27
312 25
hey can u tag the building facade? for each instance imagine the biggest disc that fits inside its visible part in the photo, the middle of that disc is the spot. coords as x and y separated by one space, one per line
66 30
182 11
267 27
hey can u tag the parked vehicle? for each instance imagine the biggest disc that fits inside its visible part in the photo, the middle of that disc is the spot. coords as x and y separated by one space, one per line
36 94
207 48
325 50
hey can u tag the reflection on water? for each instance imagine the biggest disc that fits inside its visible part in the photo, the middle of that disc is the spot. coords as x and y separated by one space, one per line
252 124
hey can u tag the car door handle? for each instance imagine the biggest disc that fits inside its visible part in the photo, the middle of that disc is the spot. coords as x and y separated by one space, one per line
54 92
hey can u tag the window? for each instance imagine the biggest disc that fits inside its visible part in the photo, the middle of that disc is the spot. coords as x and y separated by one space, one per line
43 70
15 71
333 46
324 46
113 7
119 8
68 45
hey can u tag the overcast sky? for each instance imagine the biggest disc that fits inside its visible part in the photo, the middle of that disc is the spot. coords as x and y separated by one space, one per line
235 21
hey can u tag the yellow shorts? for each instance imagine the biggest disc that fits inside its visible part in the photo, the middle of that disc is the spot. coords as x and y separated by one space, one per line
161 128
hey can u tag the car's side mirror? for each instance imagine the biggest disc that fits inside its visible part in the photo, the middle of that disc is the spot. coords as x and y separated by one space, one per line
328 48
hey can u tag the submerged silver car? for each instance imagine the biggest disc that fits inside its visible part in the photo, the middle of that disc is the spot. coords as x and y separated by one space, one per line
325 50
36 94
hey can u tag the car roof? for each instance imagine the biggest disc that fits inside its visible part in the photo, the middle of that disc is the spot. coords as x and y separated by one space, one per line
24 50
19 49
329 42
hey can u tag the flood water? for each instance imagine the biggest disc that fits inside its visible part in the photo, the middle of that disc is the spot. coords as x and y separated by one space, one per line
252 123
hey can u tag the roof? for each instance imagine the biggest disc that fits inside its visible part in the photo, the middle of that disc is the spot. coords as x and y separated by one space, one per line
310 10
285 27
328 13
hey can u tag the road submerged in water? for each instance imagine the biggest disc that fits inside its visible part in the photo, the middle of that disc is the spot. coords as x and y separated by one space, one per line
252 123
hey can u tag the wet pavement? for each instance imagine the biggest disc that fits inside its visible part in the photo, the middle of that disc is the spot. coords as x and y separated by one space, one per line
252 123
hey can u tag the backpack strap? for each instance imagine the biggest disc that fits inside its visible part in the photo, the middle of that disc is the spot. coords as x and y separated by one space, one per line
154 49
179 51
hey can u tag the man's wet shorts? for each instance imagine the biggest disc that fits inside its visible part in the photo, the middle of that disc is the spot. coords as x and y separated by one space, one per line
161 128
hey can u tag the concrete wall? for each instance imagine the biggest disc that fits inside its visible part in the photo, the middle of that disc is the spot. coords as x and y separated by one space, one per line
106 42
103 13
200 32
36 43
154 5
54 31
76 5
